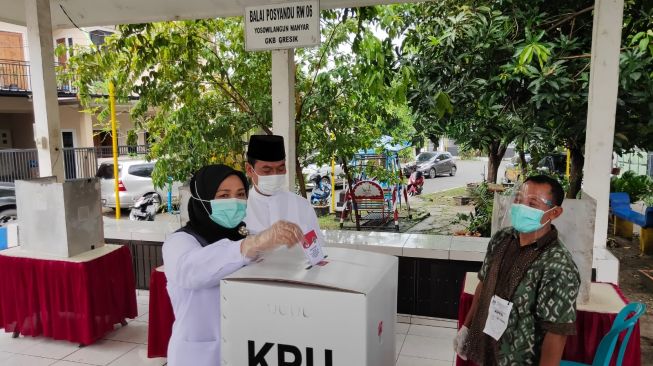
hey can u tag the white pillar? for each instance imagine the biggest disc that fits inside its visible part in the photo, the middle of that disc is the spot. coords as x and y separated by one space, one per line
47 131
602 105
283 106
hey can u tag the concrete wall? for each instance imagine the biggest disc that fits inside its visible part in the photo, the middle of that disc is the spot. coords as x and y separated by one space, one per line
16 115
21 127
124 125
15 105
72 118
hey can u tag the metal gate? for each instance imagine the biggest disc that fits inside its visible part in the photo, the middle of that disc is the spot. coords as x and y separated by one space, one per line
17 164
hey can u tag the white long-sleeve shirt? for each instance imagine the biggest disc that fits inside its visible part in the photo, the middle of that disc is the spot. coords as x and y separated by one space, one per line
194 273
263 211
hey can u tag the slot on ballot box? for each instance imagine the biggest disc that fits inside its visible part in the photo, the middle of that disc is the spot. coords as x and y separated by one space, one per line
343 312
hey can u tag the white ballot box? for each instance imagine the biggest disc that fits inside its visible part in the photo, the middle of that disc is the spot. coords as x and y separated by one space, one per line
341 312
59 219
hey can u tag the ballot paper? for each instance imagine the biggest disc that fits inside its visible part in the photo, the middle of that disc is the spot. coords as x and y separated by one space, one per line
313 248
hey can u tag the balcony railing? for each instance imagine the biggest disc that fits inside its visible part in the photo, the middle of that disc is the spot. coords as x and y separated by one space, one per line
17 164
15 77
107 151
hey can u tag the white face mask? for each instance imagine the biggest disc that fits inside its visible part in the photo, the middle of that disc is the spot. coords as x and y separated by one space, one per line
270 185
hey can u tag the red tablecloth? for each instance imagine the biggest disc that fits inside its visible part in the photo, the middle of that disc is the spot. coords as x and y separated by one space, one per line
161 316
590 329
75 301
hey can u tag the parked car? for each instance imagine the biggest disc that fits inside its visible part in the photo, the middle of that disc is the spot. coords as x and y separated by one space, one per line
514 170
432 164
135 180
7 202
324 171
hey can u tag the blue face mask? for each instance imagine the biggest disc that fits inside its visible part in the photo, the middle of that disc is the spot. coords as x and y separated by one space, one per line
228 212
526 219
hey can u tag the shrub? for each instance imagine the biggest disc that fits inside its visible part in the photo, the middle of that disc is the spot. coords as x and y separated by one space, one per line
637 186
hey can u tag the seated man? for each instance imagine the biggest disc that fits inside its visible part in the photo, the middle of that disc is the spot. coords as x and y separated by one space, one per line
525 303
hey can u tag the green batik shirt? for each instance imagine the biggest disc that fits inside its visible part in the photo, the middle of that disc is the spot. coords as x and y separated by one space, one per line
544 301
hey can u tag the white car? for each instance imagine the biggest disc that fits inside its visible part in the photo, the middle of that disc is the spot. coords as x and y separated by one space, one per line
311 170
135 181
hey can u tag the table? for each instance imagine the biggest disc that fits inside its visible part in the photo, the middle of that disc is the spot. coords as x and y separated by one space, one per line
78 299
161 315
593 321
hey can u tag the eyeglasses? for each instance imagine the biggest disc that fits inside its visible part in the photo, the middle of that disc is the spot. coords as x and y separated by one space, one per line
532 200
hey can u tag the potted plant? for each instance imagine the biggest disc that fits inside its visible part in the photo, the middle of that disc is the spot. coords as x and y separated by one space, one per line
132 142
637 186
479 222
471 187
648 200
461 200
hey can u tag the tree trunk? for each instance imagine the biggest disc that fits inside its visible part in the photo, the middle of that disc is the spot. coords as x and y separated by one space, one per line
524 164
300 178
350 184
435 139
298 166
496 153
576 172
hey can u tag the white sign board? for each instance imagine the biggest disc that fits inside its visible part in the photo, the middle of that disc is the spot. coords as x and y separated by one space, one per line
281 26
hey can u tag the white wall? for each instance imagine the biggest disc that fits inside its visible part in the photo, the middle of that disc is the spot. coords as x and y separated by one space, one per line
80 37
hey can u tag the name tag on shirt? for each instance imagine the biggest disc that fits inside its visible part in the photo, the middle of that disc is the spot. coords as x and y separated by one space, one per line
497 317
313 248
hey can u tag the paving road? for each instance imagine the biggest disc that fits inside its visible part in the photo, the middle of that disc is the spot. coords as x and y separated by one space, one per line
468 171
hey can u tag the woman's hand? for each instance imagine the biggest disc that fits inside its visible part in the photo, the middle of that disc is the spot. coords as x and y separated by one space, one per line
280 233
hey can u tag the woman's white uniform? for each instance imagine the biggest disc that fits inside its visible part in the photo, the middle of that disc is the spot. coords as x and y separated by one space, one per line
194 273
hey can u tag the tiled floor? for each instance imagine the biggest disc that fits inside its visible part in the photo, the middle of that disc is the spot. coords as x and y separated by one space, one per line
417 345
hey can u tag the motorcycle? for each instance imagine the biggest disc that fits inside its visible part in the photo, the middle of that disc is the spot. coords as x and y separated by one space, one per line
415 183
145 208
321 192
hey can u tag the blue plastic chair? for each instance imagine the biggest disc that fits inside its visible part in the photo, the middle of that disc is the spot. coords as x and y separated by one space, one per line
606 348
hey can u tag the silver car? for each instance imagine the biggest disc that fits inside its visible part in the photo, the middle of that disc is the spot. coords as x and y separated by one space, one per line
432 164
135 181
312 170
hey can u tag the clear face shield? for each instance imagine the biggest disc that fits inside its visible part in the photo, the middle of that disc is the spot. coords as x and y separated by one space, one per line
528 196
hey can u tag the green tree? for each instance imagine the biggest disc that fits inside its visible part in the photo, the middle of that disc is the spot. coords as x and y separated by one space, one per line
455 50
200 93
352 94
536 78
634 120
559 83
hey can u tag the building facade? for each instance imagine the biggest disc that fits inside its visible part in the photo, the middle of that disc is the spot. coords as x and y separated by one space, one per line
16 112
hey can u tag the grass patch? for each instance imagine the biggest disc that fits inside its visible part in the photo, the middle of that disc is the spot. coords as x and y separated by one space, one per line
445 198
329 222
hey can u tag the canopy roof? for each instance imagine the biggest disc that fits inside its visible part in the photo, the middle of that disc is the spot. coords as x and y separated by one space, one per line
88 13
